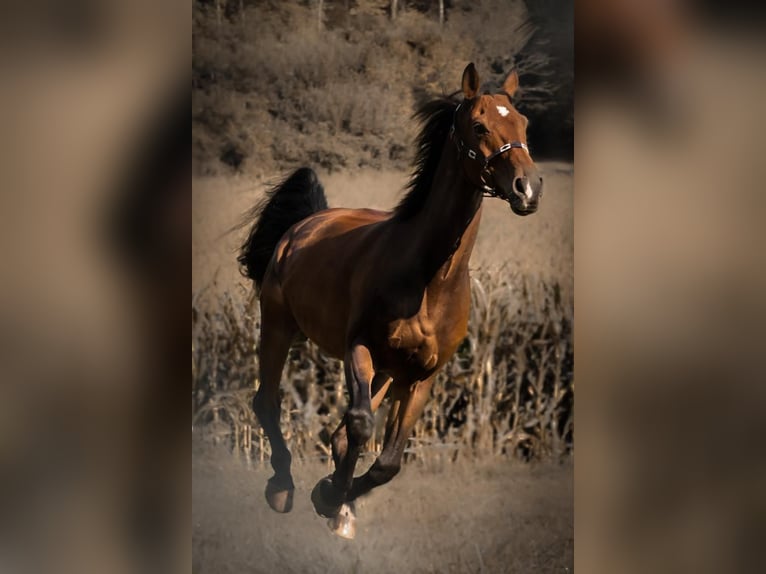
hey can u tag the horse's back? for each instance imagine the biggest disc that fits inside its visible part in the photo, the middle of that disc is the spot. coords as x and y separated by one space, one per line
327 233
339 220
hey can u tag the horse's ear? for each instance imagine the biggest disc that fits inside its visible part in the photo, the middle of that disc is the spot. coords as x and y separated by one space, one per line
511 83
470 82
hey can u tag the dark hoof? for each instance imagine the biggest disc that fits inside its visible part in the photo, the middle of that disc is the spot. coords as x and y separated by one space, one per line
343 524
279 495
325 498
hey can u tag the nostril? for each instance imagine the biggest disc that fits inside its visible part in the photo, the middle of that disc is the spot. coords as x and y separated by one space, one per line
519 184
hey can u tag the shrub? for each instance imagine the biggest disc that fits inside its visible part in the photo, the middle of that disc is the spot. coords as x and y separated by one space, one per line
265 79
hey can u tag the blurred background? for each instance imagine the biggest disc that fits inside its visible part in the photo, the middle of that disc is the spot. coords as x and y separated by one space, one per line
94 219
669 286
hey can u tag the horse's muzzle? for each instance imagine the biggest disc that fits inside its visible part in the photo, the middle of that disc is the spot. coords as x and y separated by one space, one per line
525 194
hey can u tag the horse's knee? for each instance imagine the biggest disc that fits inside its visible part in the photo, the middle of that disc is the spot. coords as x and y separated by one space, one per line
359 424
383 471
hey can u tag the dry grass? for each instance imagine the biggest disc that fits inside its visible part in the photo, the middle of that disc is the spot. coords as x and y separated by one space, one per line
507 391
270 91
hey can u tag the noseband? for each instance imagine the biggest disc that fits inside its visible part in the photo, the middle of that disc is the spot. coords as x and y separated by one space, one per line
478 156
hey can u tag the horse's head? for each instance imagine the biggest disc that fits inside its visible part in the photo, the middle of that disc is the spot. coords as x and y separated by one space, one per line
491 136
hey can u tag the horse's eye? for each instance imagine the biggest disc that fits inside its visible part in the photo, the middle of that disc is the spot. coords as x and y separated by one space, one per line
480 129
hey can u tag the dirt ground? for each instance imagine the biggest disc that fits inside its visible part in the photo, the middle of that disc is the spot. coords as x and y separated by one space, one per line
502 516
541 244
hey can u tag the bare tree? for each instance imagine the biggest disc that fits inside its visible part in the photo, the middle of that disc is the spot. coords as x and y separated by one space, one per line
441 13
394 5
320 15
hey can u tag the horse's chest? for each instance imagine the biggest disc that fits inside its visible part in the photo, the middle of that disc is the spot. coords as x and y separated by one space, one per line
416 346
425 330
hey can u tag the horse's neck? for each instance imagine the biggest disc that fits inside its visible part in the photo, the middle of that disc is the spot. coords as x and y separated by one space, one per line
448 222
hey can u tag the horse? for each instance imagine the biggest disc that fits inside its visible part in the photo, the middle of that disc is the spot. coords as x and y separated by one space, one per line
388 292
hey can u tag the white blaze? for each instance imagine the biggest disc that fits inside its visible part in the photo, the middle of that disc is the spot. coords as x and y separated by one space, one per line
528 191
503 110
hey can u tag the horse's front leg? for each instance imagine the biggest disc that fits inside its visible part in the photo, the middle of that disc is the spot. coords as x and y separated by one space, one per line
339 441
329 495
359 421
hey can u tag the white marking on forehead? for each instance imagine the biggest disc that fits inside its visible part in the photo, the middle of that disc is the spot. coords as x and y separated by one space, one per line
503 110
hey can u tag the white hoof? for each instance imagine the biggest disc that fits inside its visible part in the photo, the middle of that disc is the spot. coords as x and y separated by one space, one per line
343 524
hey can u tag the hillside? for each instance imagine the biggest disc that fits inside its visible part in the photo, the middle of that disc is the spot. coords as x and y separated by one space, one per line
273 88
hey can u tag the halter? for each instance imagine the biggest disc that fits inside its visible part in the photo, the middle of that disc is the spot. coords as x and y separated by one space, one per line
478 156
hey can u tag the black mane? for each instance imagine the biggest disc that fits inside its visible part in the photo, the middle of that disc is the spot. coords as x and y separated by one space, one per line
436 120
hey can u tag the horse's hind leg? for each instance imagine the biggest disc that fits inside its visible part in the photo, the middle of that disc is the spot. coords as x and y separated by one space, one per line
277 332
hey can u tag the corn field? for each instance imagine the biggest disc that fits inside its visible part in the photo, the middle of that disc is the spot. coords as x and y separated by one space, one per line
508 391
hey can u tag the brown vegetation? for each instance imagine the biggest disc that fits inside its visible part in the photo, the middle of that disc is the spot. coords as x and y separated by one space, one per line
508 390
271 90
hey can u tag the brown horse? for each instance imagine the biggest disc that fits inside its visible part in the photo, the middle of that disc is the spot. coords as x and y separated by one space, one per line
387 292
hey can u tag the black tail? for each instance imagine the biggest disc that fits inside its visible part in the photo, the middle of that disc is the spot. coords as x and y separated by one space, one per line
285 204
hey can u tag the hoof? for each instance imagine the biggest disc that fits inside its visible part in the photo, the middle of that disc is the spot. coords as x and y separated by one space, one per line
323 497
279 496
343 524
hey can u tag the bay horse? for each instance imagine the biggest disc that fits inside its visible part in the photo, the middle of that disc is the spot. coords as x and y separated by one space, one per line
388 292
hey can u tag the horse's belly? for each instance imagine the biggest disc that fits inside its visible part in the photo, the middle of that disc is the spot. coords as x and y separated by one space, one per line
322 321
